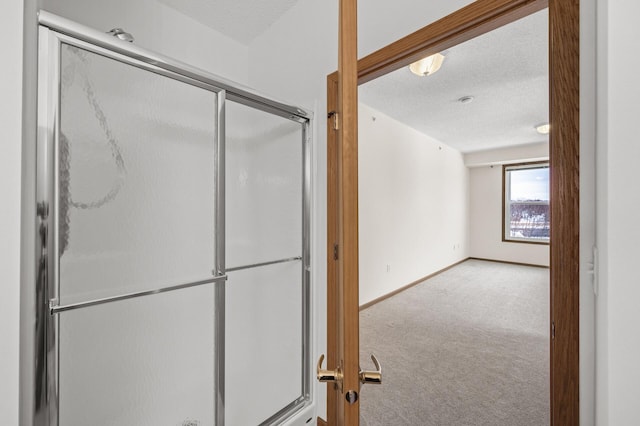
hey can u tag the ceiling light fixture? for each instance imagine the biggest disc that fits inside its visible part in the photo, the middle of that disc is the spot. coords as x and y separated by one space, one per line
543 128
428 65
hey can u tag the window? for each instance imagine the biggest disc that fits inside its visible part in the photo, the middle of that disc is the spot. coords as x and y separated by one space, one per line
526 203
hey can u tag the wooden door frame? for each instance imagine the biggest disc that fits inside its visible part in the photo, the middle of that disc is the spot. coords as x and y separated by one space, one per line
564 145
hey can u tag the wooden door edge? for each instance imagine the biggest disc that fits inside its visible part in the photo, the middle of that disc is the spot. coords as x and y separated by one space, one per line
348 255
564 160
332 242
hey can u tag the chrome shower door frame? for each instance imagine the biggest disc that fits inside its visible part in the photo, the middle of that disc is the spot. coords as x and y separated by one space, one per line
47 195
53 32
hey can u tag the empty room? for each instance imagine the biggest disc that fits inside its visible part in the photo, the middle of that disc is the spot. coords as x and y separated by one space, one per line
454 233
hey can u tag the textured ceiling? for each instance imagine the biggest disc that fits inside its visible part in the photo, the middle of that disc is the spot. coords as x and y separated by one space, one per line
242 20
505 70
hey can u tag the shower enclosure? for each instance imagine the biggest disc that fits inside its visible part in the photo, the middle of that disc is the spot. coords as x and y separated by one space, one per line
173 233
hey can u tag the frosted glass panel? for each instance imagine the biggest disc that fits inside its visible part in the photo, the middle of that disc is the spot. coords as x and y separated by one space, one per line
136 179
264 186
263 342
143 361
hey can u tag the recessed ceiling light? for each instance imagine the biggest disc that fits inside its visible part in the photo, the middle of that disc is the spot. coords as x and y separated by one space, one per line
466 99
428 65
543 128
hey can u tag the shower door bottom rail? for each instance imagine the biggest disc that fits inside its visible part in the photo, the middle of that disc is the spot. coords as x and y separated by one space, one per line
54 308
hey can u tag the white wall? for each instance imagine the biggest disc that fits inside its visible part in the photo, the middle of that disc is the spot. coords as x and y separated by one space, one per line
10 159
485 206
413 204
587 208
293 58
618 344
162 29
602 207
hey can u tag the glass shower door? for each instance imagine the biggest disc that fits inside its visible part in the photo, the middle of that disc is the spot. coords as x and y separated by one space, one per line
136 262
267 296
138 320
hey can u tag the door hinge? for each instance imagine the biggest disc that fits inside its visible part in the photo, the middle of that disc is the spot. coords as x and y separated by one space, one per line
335 252
553 330
334 115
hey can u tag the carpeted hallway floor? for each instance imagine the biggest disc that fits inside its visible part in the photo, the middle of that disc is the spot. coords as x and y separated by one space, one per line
466 347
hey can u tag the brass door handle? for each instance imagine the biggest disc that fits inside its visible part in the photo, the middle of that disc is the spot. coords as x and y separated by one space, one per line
334 376
372 377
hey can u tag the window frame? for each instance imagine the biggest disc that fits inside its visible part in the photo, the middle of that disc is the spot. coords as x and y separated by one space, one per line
506 204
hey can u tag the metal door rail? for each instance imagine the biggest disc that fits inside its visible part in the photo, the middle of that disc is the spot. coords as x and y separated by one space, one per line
54 308
257 265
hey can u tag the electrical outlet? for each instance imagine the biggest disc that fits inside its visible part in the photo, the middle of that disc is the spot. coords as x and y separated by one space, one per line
388 268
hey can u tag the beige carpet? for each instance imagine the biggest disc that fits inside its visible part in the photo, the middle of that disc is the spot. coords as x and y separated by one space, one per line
467 347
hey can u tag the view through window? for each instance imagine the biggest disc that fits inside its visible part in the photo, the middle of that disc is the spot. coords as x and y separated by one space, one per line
526 203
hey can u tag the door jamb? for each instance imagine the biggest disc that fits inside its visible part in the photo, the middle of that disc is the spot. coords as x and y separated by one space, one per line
564 144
